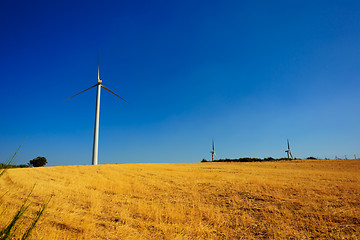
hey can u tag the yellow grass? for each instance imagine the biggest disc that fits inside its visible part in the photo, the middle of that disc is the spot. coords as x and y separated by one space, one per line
301 199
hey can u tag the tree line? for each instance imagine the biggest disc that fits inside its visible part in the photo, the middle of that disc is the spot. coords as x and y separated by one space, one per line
36 162
248 159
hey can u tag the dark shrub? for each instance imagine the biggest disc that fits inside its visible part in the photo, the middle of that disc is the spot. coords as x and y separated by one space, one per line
38 162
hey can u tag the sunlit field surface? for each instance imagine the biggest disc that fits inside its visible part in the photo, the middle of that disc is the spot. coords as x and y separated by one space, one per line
300 199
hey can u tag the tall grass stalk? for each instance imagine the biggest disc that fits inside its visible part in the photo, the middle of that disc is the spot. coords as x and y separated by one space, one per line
11 160
13 228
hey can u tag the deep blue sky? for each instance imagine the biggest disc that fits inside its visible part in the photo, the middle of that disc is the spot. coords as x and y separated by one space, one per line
248 74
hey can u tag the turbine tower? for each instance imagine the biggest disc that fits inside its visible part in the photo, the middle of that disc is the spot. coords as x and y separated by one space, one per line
288 151
97 113
213 151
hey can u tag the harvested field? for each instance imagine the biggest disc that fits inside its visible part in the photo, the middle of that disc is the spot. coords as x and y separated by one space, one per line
300 199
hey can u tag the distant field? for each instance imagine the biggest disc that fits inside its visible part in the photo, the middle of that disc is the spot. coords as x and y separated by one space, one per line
300 199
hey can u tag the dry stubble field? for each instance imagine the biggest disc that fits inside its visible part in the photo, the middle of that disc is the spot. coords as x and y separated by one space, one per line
302 199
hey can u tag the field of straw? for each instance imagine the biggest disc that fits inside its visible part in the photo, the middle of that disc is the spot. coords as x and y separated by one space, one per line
301 199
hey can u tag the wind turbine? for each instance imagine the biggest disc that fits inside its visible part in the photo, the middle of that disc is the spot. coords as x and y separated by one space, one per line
288 151
97 113
213 151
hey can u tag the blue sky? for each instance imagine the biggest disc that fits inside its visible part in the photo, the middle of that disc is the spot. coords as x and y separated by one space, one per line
248 74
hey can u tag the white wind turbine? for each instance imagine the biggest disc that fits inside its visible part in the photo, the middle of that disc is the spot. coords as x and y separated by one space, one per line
288 151
213 151
97 113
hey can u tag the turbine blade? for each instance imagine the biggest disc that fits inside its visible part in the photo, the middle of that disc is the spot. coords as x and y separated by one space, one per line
215 155
98 64
288 144
114 93
213 145
291 155
80 92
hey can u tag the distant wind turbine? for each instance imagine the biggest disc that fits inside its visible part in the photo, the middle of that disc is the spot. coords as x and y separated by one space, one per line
288 151
97 113
213 151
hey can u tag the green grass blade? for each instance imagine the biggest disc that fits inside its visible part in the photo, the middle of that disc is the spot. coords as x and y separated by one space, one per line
36 219
8 231
11 160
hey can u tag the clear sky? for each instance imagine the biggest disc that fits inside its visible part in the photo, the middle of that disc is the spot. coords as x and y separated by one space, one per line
248 74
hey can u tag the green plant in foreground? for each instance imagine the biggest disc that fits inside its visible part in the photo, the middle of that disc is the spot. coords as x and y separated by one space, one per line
12 229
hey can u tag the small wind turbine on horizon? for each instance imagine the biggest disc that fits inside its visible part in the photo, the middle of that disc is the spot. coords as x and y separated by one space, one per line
288 151
97 113
213 151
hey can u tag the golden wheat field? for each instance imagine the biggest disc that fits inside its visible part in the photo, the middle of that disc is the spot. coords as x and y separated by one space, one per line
302 199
